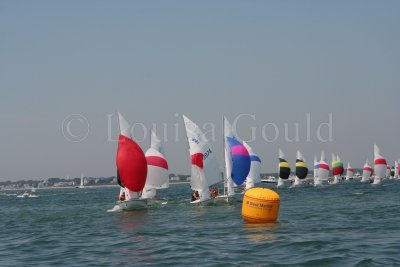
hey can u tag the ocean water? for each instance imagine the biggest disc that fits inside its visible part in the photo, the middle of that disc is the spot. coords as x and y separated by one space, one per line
351 224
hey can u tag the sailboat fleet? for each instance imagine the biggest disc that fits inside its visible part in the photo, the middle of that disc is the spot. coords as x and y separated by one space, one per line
141 174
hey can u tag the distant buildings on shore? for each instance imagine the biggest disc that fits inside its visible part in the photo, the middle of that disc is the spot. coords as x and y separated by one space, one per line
89 181
72 182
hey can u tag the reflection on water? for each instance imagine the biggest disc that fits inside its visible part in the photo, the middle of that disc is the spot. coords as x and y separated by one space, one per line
258 232
134 220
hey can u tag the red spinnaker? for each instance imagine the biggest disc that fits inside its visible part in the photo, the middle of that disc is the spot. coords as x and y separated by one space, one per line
131 164
338 170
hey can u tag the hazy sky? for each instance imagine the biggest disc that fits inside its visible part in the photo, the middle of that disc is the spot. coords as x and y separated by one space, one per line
151 60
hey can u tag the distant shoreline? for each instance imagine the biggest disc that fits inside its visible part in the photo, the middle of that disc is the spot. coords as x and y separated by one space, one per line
74 187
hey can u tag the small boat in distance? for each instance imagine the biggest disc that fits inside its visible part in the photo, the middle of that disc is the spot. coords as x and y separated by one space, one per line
301 169
269 180
82 185
337 169
26 194
380 166
323 171
392 172
349 172
388 170
284 170
367 172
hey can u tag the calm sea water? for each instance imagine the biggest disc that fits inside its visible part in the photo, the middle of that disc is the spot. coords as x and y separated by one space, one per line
351 224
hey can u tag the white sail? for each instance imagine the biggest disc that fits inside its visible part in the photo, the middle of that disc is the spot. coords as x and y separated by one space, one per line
380 165
367 172
228 132
396 169
316 164
155 143
281 154
124 126
157 168
205 170
255 168
82 180
349 172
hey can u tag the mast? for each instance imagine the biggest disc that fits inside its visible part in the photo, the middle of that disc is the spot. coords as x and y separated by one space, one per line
223 149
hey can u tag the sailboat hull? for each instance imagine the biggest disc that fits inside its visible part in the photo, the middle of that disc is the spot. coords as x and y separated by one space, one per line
133 204
207 201
224 199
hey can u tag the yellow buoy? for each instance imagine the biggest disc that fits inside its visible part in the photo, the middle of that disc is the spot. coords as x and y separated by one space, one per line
260 205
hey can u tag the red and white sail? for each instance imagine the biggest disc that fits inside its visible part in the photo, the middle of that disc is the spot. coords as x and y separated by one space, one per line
205 170
349 172
323 171
380 165
157 173
367 172
131 161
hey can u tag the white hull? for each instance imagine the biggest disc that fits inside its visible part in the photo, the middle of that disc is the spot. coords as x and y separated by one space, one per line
156 201
281 183
319 182
224 199
132 204
334 181
377 181
207 201
297 182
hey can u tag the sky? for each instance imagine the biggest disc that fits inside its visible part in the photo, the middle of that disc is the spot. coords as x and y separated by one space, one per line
67 67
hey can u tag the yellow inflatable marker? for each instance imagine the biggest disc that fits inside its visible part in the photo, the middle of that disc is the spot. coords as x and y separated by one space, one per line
260 205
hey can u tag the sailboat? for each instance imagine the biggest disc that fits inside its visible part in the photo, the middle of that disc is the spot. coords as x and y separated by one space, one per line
82 185
388 170
396 169
316 167
301 169
205 170
157 169
392 172
323 171
284 169
237 163
349 172
367 172
131 168
254 174
337 168
380 166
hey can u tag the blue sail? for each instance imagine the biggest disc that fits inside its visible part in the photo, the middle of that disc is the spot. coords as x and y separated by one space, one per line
240 161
